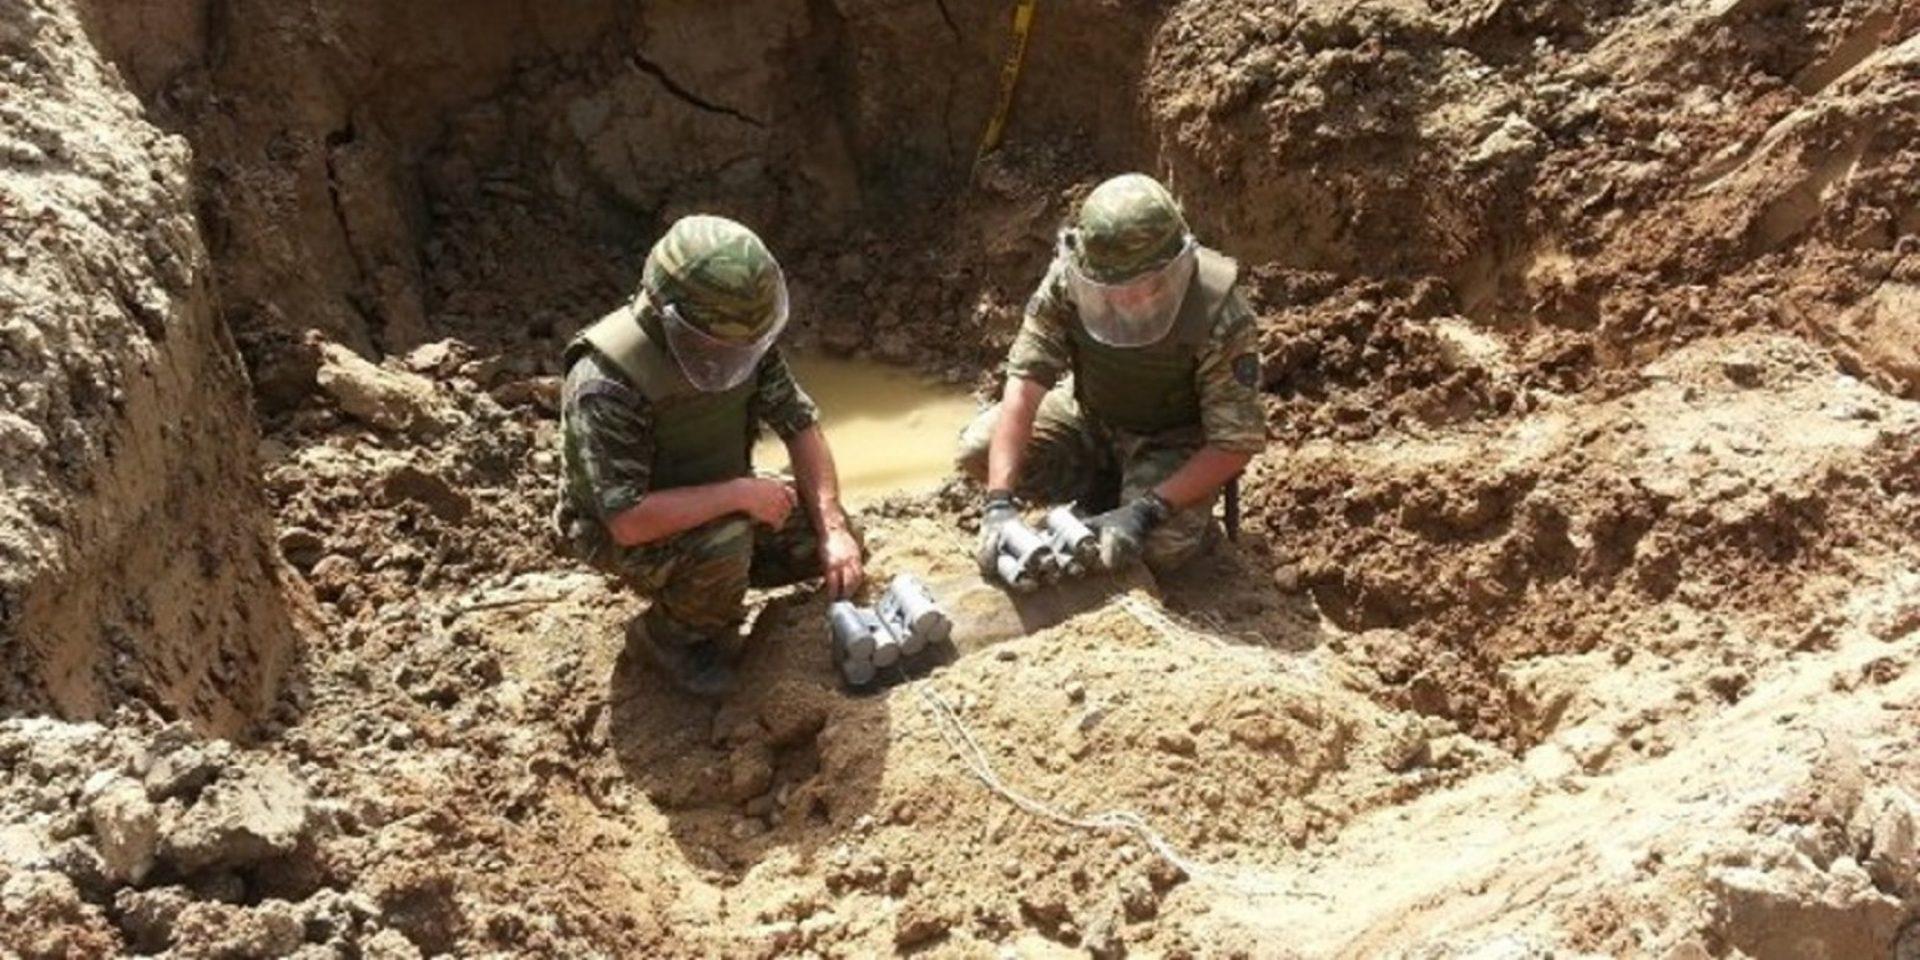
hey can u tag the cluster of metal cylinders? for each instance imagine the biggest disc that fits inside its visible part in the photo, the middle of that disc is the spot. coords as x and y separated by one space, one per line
866 640
1064 547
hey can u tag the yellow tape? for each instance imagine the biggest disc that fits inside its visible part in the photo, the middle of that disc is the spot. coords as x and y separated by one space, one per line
1009 78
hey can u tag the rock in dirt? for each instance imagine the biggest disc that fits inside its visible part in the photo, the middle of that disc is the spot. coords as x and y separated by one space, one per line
43 915
332 575
1405 748
918 924
1139 899
22 847
302 547
77 858
1047 909
1893 859
126 828
408 482
749 771
795 711
541 393
147 916
1839 911
272 929
243 819
439 358
186 771
1729 683
389 945
1102 939
387 399
1177 742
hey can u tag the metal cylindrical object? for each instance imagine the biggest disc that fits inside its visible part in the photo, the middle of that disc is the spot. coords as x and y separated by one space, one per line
851 634
1073 540
858 673
911 642
886 646
1032 558
853 637
896 625
1020 539
1014 575
911 606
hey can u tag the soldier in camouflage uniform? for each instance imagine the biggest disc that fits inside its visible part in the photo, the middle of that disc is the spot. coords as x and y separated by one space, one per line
1134 380
661 404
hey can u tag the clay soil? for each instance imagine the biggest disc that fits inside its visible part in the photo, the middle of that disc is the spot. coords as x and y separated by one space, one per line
1574 612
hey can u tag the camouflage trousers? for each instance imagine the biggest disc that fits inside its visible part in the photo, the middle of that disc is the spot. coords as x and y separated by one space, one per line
1073 457
697 580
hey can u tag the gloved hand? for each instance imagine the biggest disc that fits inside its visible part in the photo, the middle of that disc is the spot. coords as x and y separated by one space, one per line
995 511
1123 530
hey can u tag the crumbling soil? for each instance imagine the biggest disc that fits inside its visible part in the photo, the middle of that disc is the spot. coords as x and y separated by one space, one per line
132 507
1573 611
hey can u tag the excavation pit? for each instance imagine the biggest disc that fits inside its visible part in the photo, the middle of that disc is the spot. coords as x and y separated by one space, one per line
1569 616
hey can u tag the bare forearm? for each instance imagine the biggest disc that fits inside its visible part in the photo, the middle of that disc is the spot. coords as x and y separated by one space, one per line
1207 470
1008 448
818 479
663 513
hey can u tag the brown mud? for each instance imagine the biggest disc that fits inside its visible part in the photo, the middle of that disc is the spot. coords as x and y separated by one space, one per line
1573 614
893 430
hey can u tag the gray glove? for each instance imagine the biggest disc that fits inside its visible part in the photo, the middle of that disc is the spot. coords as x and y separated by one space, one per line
1123 530
995 511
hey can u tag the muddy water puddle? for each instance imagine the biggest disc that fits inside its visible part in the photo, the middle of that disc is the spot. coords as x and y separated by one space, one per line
892 430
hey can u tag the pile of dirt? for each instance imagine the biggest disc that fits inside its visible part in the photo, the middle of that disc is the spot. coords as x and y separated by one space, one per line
1572 611
168 839
435 469
1591 188
1769 818
1743 475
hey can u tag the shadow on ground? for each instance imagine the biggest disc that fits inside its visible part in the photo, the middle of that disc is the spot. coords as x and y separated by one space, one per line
790 761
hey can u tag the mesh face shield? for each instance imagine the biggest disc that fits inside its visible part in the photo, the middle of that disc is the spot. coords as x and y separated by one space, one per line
713 364
1136 311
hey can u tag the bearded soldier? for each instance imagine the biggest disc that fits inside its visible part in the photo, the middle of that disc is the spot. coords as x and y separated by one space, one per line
661 404
1134 380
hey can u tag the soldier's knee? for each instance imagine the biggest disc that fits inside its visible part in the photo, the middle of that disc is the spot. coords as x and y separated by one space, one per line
708 580
726 540
1175 543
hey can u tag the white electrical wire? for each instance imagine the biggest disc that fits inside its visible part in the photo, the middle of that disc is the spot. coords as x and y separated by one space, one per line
961 740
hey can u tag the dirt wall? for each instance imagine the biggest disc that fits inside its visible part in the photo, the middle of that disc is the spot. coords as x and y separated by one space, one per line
135 551
389 174
1595 189
1598 187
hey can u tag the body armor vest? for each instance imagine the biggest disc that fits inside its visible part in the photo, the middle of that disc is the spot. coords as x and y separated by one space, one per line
698 437
1155 388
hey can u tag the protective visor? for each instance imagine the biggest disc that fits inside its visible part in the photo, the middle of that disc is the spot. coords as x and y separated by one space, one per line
1136 311
713 364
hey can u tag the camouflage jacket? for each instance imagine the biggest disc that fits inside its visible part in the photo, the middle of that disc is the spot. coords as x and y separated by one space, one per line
616 428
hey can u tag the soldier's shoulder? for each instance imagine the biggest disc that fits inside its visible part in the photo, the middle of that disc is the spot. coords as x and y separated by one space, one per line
775 361
1233 316
592 375
1051 294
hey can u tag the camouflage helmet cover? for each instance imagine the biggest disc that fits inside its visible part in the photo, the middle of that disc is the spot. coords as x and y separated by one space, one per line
1128 225
719 276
